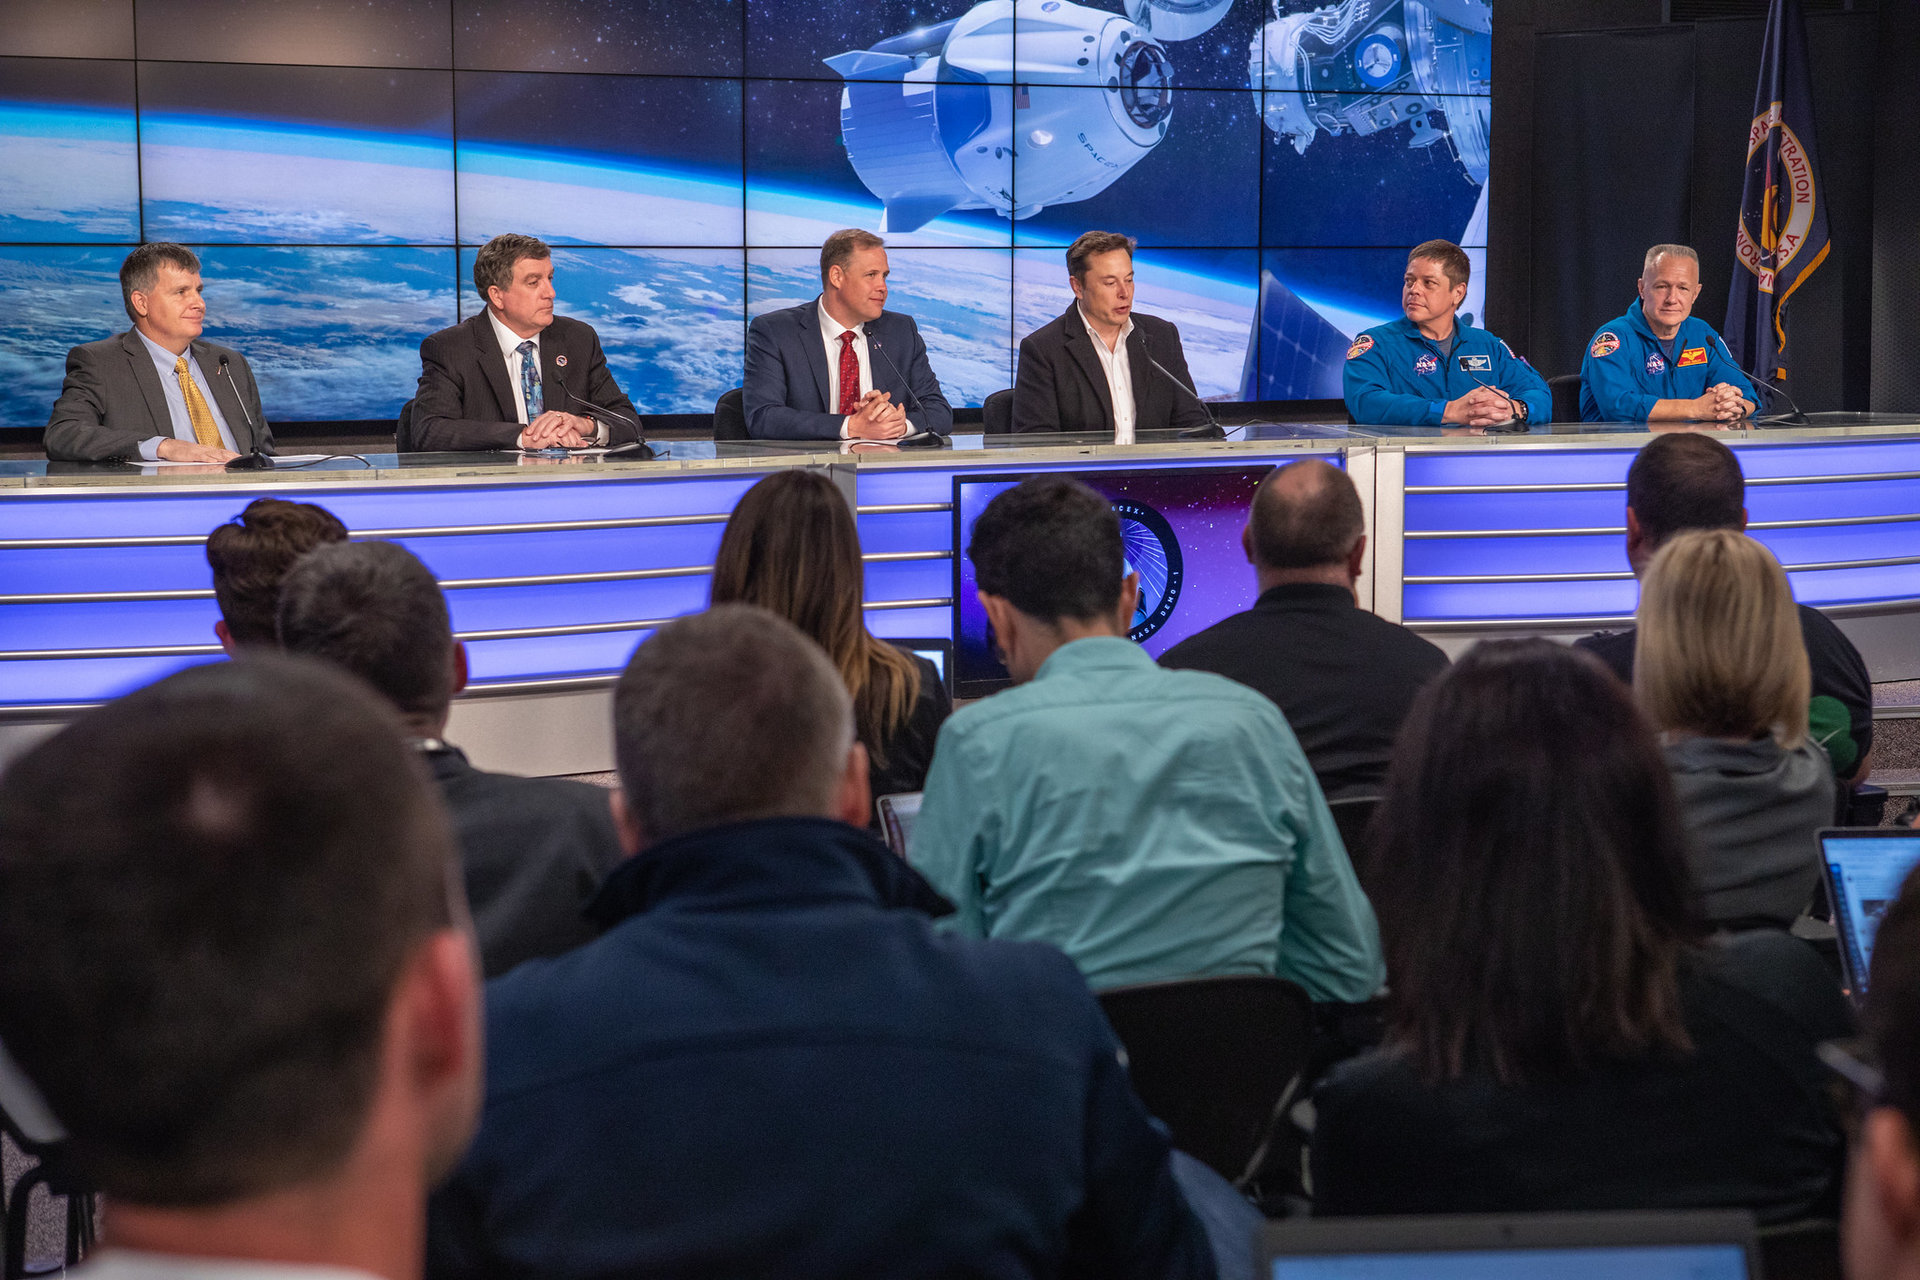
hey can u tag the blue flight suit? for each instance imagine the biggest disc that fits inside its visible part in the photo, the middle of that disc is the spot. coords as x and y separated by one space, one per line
1397 376
1626 368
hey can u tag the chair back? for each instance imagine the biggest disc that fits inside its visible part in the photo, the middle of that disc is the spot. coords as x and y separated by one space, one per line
1352 816
996 415
730 415
47 1175
1218 1060
1566 397
403 430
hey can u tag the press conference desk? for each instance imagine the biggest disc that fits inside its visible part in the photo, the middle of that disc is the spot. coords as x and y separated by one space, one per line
555 569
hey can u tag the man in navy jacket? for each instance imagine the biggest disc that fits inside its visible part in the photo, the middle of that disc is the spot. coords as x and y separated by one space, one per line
842 367
1433 369
1659 361
772 1063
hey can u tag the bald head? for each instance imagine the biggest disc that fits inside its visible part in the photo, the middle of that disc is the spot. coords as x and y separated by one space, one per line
1306 525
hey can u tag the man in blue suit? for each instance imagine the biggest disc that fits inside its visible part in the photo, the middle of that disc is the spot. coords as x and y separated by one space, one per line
842 367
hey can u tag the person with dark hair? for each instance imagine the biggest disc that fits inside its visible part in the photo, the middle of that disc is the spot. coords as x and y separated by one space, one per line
1150 823
1432 367
251 553
239 986
1342 676
516 376
1561 1033
1659 361
791 547
533 850
1102 366
842 367
1881 1231
772 1063
1684 480
111 403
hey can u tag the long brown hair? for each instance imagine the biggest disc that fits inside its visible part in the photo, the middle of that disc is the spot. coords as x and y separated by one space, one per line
791 547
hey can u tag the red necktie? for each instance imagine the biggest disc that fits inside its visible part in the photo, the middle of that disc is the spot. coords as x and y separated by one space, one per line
849 376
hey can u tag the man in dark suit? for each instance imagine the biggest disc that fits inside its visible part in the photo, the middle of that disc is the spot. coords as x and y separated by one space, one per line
1344 678
516 376
842 367
1093 368
533 849
158 391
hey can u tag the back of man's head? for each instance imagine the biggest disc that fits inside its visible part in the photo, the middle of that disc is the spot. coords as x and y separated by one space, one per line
1684 480
727 716
374 609
251 554
1051 548
1306 515
208 893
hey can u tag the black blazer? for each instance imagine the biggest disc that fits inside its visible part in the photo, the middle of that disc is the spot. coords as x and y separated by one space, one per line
785 389
112 400
1062 387
465 400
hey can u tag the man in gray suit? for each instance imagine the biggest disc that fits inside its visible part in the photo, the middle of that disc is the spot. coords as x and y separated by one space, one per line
157 391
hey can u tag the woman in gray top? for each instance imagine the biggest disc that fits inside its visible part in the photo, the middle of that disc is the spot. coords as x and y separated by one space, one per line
1721 670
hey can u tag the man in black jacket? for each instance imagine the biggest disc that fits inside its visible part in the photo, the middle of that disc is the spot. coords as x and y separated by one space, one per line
1343 677
533 849
1103 366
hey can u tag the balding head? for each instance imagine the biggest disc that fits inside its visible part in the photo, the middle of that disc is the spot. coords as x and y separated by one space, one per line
1306 525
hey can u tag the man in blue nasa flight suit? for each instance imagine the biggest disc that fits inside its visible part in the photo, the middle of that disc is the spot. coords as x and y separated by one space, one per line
1659 361
1432 369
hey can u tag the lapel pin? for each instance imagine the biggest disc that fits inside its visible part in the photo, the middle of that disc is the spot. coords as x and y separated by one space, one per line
561 361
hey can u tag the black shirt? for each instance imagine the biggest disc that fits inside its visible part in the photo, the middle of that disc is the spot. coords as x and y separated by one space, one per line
1841 715
1744 1121
909 753
1343 677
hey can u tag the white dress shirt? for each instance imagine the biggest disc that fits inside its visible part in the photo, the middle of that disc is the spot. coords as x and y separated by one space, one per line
130 1264
830 331
1119 377
510 345
177 400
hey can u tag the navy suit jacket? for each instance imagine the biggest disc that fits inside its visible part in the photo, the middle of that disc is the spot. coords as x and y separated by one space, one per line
112 400
465 400
787 379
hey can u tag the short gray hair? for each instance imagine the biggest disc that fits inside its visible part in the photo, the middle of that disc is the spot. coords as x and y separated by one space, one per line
1660 251
493 265
141 270
726 716
840 247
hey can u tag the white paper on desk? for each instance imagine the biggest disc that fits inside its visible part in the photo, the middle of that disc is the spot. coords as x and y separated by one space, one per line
300 459
172 462
592 452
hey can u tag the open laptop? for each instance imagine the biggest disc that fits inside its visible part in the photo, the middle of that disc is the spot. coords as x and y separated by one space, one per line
1704 1245
1865 867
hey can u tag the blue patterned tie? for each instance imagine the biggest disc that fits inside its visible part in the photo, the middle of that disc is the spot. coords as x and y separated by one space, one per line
530 380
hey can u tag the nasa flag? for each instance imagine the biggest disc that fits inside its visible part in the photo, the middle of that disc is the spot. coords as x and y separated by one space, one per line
1783 208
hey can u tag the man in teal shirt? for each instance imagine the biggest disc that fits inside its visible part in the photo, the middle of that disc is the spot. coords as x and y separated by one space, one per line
1152 824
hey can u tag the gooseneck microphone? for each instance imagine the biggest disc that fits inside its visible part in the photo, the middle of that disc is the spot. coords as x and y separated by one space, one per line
1779 419
256 458
913 437
1213 430
639 447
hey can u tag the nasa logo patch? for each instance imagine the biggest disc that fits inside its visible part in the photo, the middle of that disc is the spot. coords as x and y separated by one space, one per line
1361 345
561 361
1426 363
1604 345
1693 355
1656 363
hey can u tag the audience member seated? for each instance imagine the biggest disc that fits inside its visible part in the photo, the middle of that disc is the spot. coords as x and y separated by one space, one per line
238 975
1881 1233
1343 677
791 546
1687 481
772 1063
1722 674
533 849
1562 1033
251 553
1151 824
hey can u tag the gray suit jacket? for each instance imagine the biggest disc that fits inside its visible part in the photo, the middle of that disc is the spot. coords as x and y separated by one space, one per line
112 400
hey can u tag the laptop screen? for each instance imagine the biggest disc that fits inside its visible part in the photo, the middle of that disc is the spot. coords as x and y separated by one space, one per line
1864 872
1641 1262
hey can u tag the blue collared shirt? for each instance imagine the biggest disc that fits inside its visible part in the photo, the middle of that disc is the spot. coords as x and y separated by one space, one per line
1150 823
177 401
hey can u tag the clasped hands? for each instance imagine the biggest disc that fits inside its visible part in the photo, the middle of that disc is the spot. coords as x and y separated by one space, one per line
877 418
1721 402
556 430
1480 407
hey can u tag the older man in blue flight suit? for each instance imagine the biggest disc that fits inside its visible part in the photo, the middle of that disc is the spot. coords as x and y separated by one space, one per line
1432 369
1659 362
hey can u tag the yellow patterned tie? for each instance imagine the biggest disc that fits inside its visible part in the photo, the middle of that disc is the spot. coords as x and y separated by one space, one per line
204 430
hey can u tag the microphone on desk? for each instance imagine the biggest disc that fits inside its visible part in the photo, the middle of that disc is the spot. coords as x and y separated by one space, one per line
913 439
255 459
1778 419
640 447
1213 430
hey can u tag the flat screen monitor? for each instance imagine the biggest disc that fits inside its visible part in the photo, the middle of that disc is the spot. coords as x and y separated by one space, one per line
1181 529
1865 869
935 649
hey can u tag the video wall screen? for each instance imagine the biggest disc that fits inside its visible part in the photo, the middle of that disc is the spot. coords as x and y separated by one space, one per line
337 161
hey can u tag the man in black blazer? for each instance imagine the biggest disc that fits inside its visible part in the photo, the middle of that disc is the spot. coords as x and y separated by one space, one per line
842 367
1093 368
533 850
516 376
158 391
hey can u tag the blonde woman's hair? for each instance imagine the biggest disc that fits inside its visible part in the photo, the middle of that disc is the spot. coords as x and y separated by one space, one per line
1719 650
